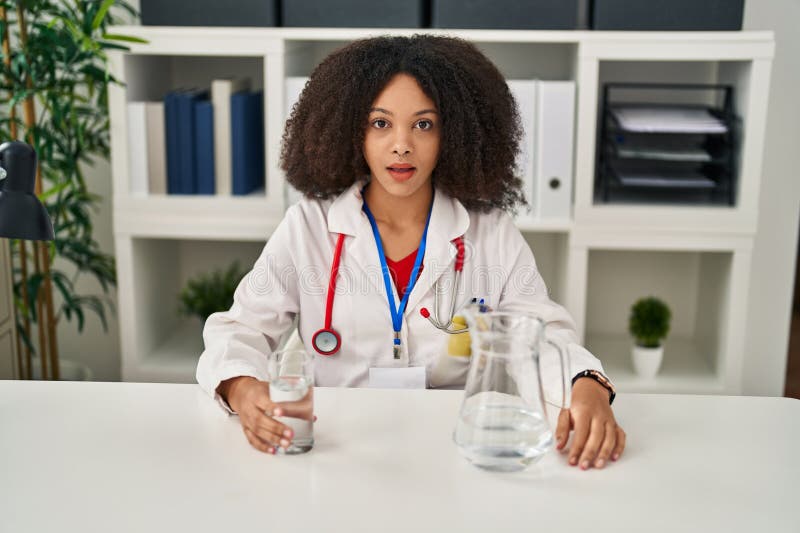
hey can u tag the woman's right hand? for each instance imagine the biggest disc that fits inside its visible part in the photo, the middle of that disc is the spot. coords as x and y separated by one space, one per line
249 398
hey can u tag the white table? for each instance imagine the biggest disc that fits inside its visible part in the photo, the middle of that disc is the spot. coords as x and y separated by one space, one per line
116 457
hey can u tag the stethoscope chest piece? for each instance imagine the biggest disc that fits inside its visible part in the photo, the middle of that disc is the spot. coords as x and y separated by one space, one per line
326 341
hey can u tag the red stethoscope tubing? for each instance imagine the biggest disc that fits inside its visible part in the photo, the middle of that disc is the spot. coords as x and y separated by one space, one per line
337 256
328 331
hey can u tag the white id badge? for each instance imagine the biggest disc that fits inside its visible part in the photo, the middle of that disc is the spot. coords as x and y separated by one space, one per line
397 378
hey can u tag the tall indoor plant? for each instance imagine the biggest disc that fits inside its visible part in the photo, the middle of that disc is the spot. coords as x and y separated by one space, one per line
55 71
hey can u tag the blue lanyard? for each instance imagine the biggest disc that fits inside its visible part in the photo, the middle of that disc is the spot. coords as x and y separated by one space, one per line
397 313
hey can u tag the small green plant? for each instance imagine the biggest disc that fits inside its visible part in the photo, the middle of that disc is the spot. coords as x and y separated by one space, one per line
210 292
649 322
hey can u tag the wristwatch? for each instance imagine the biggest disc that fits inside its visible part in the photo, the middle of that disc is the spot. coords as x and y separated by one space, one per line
601 379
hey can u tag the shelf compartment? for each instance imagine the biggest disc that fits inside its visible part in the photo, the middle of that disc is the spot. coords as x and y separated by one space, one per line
550 251
694 115
173 360
520 60
695 285
684 369
144 97
165 344
183 71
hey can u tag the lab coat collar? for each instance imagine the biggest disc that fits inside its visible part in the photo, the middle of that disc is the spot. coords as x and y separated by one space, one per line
449 219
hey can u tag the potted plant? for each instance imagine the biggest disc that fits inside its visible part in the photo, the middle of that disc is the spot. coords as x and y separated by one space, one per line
210 292
53 88
649 325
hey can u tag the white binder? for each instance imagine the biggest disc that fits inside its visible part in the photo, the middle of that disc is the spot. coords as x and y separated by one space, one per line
221 92
137 148
156 148
293 87
524 92
554 139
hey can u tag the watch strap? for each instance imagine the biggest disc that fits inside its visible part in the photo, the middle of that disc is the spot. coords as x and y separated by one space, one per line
601 379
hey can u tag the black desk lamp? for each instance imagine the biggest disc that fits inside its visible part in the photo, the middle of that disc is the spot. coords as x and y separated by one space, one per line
22 215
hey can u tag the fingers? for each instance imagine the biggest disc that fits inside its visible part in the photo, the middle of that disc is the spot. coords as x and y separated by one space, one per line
562 429
608 445
257 443
262 426
582 427
303 408
620 444
596 436
270 430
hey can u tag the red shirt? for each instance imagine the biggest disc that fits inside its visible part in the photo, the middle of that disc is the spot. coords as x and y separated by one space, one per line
401 271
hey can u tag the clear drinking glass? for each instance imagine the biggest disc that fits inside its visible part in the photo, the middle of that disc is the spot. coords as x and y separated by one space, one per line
503 423
291 379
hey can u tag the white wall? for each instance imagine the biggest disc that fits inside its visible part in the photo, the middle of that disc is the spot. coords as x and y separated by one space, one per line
775 247
94 348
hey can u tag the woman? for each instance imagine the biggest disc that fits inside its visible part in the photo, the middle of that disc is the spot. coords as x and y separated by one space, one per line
401 146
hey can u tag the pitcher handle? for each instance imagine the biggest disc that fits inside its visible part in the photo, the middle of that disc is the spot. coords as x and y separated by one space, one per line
566 380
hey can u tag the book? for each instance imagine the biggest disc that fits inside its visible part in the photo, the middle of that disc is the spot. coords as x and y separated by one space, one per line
156 148
171 136
221 91
187 183
137 148
204 146
247 141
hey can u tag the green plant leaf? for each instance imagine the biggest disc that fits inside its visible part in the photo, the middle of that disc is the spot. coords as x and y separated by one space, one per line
210 292
649 321
101 13
125 38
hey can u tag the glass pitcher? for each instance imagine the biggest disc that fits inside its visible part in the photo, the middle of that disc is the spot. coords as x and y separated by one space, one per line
503 423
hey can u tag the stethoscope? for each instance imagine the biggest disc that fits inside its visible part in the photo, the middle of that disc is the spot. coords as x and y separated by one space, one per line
327 340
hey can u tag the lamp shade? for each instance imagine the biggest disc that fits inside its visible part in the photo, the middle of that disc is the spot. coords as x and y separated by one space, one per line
22 215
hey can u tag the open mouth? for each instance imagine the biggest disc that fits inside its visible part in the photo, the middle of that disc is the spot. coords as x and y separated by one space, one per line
401 173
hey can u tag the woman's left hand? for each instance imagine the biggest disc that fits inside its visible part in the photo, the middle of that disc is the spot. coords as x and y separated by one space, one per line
597 436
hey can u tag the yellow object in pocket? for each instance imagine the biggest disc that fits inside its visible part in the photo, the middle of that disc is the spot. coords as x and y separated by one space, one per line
459 344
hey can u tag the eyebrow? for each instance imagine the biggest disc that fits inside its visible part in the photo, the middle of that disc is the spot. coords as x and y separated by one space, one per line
381 110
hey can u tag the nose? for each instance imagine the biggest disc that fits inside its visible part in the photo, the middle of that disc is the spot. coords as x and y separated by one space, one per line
402 145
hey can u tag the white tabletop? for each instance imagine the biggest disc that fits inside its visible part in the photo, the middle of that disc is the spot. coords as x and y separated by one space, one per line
153 457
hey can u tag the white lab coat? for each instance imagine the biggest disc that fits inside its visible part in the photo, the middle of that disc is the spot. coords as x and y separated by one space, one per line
291 278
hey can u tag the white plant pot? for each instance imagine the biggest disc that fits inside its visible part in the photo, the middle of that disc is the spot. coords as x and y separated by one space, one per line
647 361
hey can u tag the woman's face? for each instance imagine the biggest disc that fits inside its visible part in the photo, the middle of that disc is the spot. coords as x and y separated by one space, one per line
401 144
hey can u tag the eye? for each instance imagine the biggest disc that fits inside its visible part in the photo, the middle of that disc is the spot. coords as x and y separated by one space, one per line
425 125
380 123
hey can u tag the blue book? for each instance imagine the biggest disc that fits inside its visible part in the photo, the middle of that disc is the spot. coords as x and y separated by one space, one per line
247 142
204 146
171 139
186 129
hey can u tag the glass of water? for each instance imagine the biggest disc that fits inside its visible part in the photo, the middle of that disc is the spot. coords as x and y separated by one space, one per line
291 379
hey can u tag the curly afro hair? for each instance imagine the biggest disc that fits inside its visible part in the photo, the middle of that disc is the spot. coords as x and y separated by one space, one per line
480 125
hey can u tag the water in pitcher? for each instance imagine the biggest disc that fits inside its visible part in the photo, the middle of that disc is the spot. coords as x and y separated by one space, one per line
499 432
292 389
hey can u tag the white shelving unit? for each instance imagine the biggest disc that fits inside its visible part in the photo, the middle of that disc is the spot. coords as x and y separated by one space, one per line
596 263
